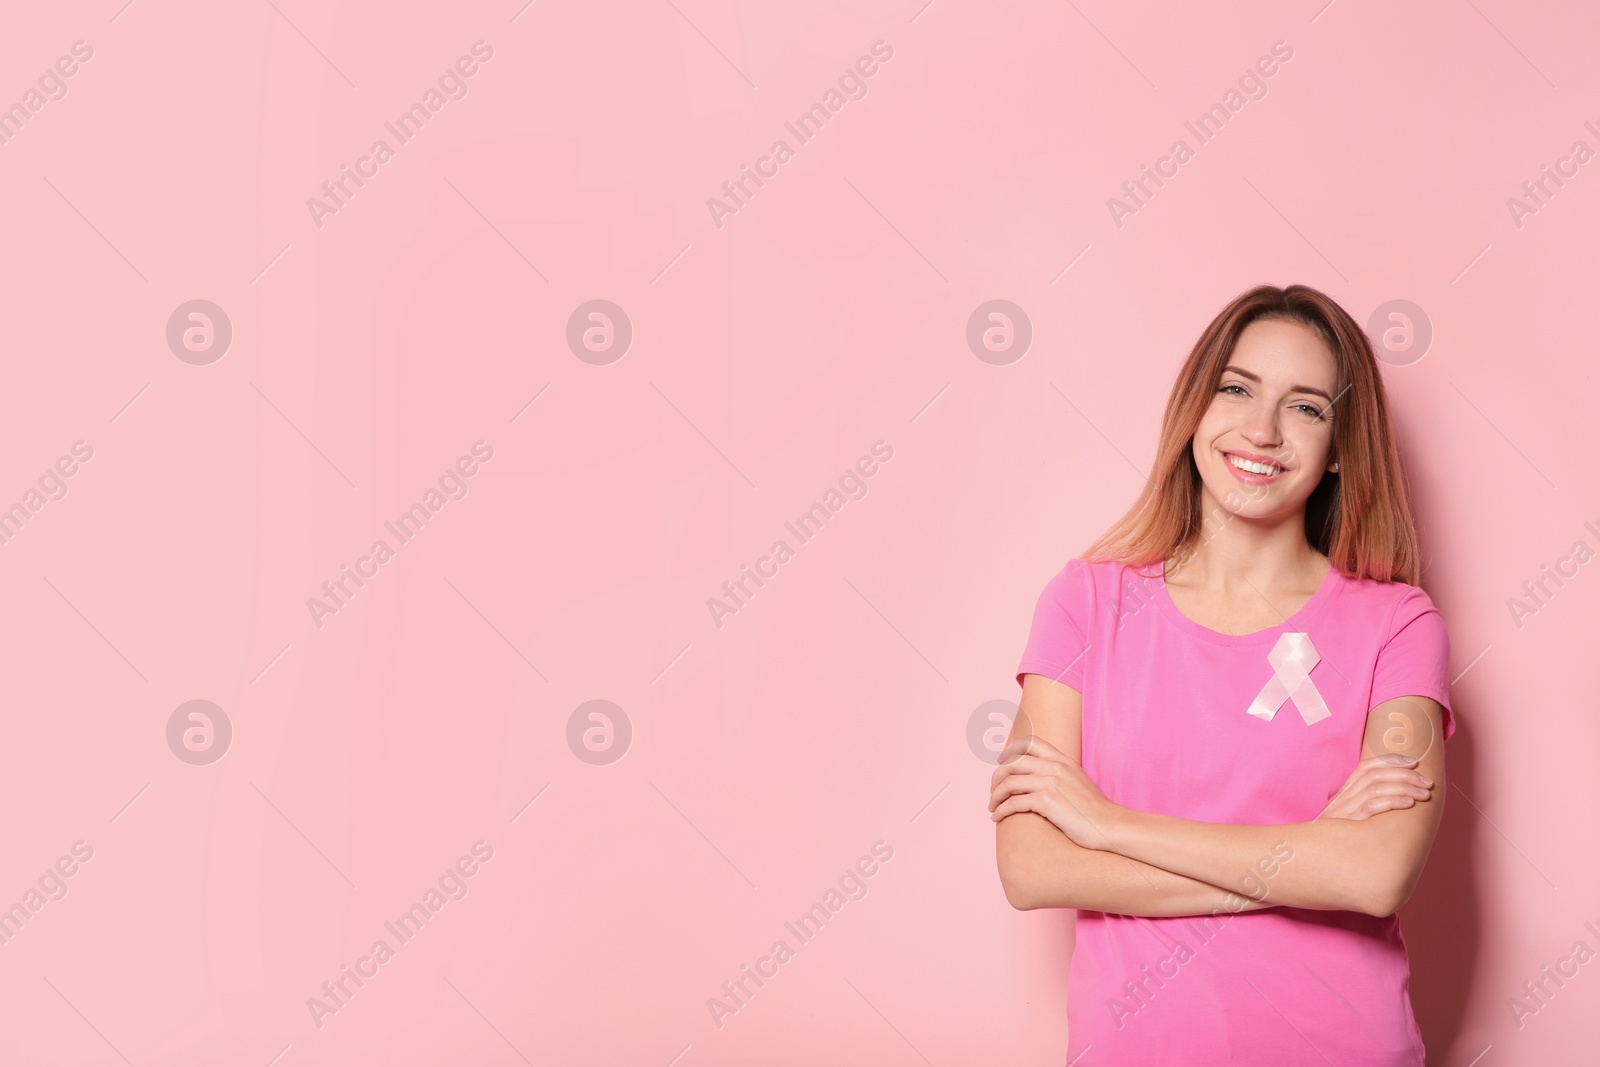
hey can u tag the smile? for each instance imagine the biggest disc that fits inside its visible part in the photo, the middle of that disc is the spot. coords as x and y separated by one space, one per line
1254 468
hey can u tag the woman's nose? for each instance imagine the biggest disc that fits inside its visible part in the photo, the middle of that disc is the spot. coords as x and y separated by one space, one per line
1262 428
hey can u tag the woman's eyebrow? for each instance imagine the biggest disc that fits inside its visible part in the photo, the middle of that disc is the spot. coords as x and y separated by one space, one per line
1241 372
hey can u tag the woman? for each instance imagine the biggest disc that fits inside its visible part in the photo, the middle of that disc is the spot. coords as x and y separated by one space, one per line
1227 750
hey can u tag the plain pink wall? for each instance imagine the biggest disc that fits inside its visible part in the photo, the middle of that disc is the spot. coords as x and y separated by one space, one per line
768 354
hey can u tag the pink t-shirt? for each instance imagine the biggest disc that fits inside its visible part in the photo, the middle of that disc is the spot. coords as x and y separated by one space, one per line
1166 729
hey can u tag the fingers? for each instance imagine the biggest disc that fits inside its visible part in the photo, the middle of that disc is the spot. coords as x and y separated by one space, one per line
1378 784
1017 784
1042 763
1020 765
1410 790
1378 770
1024 793
1020 802
1387 767
1394 777
1376 806
1378 797
1391 762
1030 744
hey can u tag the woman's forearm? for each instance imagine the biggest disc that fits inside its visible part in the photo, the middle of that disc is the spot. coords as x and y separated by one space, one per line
1328 864
1041 867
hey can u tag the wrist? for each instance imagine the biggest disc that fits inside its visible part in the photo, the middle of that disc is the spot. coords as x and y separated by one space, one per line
1114 822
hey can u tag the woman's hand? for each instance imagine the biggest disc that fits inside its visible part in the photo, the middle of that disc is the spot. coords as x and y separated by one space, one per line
1379 784
1036 776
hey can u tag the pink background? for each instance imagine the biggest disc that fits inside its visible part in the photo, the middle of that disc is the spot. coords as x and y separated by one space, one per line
768 354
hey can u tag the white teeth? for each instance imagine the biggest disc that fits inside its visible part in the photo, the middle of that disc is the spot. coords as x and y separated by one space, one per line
1253 468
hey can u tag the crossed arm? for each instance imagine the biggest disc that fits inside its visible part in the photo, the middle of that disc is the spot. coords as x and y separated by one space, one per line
1061 844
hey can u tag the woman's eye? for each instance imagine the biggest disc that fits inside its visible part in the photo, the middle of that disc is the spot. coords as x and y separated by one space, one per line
1309 410
1232 385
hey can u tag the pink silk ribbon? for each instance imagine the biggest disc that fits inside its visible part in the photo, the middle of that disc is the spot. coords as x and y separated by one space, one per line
1292 659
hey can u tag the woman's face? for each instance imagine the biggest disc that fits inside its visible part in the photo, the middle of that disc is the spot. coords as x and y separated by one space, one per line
1273 409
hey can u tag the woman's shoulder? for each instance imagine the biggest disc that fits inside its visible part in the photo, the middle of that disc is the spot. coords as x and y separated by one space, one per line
1389 604
1113 568
1379 591
1081 584
1079 573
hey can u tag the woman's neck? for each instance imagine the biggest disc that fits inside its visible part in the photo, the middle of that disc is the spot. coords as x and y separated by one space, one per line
1240 556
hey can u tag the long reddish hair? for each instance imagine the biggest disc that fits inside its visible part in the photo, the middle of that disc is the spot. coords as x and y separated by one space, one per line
1366 533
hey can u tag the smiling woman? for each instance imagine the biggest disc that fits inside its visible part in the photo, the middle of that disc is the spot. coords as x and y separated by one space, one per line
1287 690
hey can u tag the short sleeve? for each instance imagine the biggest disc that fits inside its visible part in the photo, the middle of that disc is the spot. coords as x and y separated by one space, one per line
1060 631
1415 657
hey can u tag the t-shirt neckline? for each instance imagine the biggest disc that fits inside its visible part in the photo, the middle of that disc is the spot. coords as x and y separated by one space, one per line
1331 579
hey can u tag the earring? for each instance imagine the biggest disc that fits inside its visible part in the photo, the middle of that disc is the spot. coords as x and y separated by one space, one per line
1335 466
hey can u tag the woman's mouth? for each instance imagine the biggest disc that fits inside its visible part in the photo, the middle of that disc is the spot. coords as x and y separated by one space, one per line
1252 473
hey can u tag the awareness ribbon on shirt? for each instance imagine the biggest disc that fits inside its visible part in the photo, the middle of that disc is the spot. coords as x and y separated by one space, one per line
1292 659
